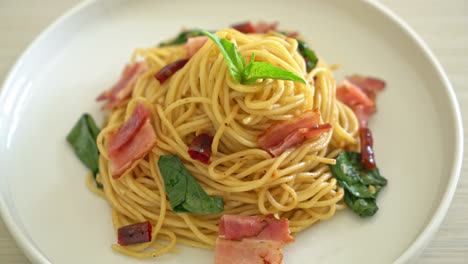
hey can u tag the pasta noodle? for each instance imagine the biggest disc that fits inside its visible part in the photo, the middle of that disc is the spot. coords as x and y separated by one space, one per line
203 97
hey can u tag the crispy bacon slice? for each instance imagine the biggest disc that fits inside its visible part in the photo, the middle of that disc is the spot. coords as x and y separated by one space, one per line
236 227
359 94
129 129
168 70
292 34
297 137
133 150
131 142
352 95
251 239
195 44
263 27
248 251
134 234
245 28
277 132
260 27
370 86
286 134
124 87
316 130
200 148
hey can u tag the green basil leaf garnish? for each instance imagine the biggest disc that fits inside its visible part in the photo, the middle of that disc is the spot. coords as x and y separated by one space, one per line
248 74
233 57
264 70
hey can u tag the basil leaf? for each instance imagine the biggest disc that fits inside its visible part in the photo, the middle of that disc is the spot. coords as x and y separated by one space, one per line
83 138
361 185
233 57
308 54
182 38
248 69
264 70
185 193
252 72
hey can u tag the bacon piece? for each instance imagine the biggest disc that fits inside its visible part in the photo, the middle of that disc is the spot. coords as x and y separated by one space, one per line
316 130
168 70
370 86
263 27
236 227
134 234
292 34
260 27
297 137
248 251
285 134
367 153
134 150
131 142
200 148
359 93
277 132
195 44
352 95
129 129
245 28
124 87
251 239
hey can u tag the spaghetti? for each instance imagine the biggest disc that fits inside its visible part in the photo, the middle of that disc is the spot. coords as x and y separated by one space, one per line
202 97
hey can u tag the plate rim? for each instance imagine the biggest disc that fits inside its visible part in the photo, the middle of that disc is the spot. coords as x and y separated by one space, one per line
34 254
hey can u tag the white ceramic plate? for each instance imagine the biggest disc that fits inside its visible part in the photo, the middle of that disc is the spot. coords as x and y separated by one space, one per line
417 130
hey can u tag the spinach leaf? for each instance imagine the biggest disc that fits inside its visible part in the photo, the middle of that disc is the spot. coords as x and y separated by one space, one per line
367 177
83 140
252 72
360 184
308 54
362 206
182 38
185 193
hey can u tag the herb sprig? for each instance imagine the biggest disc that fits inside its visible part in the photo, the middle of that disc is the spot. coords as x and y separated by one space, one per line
248 74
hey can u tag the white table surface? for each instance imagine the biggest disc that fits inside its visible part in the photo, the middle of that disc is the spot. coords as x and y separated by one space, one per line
442 24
